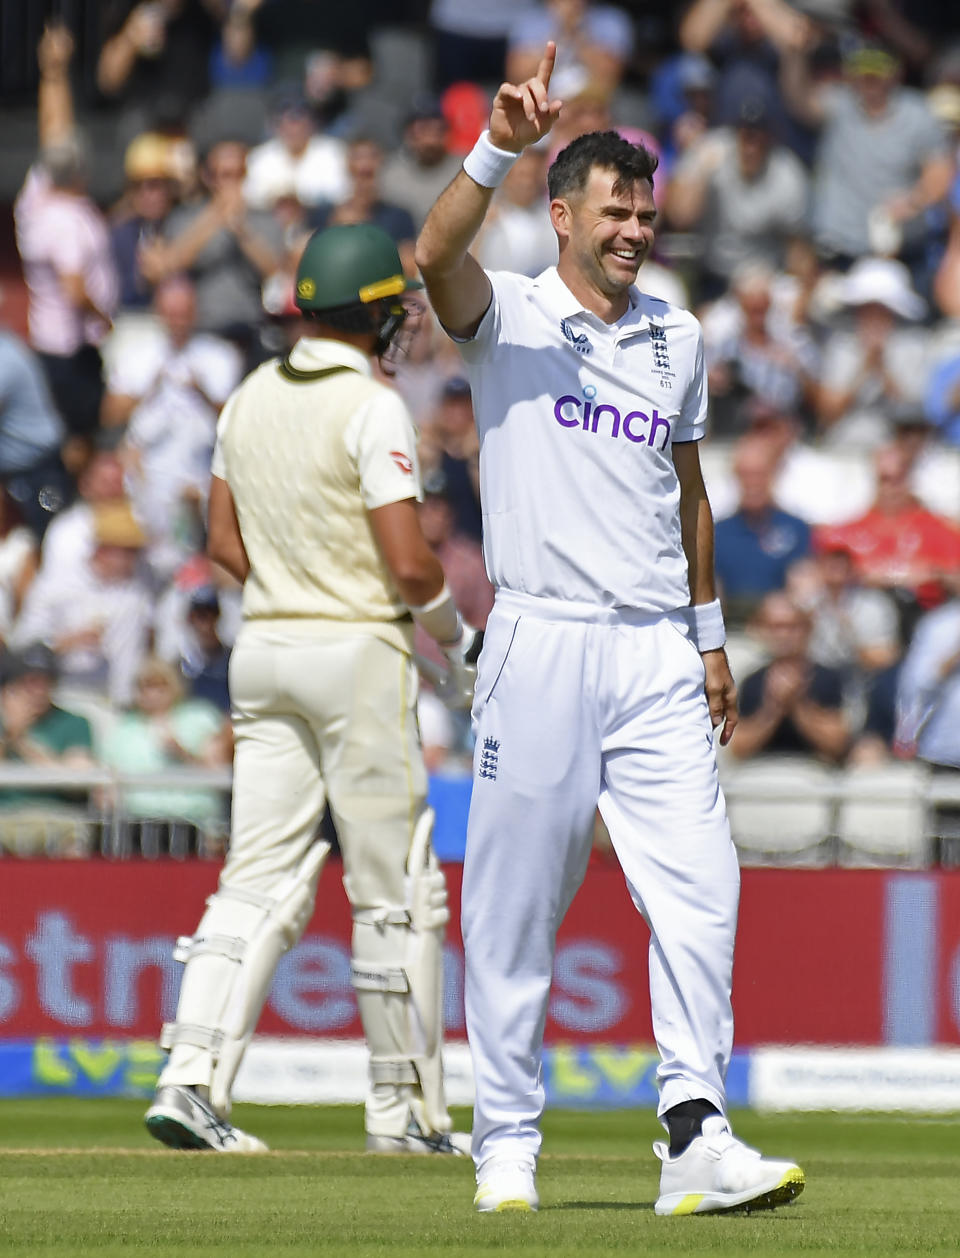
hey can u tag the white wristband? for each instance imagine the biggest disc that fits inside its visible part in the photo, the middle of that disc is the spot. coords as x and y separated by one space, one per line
486 164
707 628
440 618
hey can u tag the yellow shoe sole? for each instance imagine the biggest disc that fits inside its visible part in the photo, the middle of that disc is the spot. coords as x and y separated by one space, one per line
789 1188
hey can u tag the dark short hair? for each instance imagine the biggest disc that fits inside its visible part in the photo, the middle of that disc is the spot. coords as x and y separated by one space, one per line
206 152
425 108
66 161
607 150
37 657
205 598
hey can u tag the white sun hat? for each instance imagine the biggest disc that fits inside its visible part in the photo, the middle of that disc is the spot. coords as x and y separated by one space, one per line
884 281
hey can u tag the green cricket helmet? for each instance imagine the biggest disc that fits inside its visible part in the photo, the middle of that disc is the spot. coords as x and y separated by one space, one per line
350 265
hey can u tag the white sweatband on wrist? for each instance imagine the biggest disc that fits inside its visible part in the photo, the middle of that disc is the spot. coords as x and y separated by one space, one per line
440 617
486 164
706 626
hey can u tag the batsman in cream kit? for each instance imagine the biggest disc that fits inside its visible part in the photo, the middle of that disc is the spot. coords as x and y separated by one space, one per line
313 507
603 672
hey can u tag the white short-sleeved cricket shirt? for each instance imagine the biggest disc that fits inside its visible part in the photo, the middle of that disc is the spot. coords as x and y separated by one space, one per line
576 420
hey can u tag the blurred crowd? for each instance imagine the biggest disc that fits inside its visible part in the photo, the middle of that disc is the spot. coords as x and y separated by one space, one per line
809 213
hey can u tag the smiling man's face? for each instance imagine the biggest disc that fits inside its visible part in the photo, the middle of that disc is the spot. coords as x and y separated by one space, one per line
609 233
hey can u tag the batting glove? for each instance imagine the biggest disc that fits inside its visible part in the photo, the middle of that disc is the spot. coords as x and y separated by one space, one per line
455 688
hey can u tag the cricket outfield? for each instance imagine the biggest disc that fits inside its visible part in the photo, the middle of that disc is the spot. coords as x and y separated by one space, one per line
82 1177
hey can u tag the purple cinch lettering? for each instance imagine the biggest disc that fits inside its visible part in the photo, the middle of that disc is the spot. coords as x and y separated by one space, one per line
611 410
586 417
658 422
640 440
558 411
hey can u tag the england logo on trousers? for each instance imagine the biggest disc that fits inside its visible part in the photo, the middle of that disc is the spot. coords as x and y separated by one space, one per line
489 756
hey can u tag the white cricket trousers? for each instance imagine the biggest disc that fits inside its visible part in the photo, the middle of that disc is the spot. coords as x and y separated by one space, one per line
576 706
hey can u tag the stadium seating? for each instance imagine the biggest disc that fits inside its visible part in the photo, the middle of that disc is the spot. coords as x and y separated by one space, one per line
882 817
781 810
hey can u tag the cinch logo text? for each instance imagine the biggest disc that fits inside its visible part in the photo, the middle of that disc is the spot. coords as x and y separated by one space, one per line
636 426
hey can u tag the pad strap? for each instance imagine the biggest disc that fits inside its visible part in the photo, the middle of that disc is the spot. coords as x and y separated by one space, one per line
379 978
382 917
266 902
229 946
174 1033
393 1072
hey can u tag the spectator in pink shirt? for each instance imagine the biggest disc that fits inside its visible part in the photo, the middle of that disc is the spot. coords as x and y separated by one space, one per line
64 244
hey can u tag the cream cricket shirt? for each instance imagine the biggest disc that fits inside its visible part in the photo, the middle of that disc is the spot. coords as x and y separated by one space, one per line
576 420
306 458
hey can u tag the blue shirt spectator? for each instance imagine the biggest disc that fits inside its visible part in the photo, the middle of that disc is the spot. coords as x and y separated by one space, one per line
756 545
755 549
237 63
941 403
394 220
364 204
594 45
205 661
30 426
149 165
928 694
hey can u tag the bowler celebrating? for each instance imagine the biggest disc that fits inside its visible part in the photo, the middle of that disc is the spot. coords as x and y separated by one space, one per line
603 668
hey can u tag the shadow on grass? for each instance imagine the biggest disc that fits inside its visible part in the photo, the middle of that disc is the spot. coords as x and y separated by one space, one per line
600 1205
736 1213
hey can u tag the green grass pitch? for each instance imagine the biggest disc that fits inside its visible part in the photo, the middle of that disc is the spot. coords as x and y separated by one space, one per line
83 1177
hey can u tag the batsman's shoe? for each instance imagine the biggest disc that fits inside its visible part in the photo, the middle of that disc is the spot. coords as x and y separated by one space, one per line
504 1185
454 1143
719 1172
181 1118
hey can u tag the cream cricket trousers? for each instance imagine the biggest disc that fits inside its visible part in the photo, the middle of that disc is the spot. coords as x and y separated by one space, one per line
321 715
576 705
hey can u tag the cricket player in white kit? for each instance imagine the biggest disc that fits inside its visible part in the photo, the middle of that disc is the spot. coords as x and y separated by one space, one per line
603 669
313 507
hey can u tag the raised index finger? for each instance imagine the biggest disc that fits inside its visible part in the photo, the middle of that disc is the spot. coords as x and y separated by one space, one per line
545 68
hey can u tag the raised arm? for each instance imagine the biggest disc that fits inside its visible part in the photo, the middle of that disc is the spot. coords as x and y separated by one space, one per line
143 34
781 23
702 23
689 185
456 283
931 187
803 95
55 117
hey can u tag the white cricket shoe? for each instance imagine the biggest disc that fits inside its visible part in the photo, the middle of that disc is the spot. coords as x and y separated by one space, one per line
505 1184
453 1143
716 1171
181 1118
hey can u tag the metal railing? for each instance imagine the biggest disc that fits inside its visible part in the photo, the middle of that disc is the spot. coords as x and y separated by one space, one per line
90 813
72 812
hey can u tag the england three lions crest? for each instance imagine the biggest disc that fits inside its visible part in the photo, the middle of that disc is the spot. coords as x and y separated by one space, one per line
490 758
660 352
